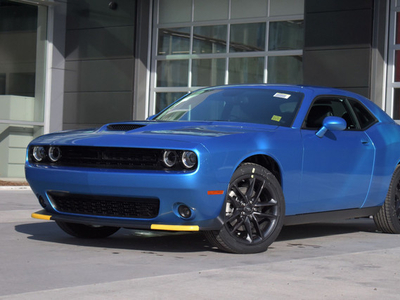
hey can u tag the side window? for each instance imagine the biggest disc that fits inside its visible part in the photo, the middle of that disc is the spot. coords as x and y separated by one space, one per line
325 107
364 117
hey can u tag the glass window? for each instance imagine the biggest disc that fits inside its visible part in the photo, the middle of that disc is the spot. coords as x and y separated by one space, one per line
209 39
249 9
172 73
326 107
364 117
285 69
238 104
246 70
286 7
398 28
225 42
208 72
207 10
173 41
22 81
165 99
397 66
287 35
247 37
175 11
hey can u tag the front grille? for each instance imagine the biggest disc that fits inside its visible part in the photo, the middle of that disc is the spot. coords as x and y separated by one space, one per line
118 158
123 127
107 206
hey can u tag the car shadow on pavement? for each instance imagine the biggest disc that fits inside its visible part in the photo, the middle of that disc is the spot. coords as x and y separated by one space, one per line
326 229
182 241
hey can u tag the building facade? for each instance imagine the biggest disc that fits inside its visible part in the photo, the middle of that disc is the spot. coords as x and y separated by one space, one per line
69 64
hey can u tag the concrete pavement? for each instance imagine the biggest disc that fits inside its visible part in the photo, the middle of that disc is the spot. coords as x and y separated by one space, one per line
341 260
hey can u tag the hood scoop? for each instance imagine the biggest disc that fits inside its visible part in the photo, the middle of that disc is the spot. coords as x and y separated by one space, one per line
123 127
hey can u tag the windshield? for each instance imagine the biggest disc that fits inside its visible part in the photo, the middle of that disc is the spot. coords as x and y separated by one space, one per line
249 105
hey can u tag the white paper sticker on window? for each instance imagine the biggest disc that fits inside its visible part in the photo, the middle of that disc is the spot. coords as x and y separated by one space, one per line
282 95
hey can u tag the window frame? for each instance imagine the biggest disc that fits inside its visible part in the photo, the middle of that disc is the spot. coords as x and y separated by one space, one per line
350 109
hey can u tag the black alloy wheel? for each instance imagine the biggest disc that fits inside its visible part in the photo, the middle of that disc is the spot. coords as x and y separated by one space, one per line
388 218
254 211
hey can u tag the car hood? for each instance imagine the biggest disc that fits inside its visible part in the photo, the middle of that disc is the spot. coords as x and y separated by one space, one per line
151 134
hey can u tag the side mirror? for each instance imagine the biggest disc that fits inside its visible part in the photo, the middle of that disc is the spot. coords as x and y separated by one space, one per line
332 124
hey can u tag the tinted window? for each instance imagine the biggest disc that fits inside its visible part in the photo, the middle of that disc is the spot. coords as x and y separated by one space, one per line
364 117
250 105
326 107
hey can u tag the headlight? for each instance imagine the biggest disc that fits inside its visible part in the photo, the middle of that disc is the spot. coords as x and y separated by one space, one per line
39 153
169 158
189 159
54 154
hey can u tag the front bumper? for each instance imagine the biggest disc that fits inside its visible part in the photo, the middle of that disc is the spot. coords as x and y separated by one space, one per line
45 215
200 191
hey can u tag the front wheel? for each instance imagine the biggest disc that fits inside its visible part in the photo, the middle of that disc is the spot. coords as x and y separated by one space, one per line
254 212
388 217
87 231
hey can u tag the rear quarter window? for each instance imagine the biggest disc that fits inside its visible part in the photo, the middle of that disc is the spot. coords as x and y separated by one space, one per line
364 116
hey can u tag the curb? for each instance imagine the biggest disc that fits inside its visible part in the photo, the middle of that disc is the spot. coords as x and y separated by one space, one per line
10 188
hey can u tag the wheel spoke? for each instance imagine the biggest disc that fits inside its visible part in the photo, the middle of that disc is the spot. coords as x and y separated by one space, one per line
237 191
237 226
250 189
271 202
247 225
257 197
257 226
265 215
234 216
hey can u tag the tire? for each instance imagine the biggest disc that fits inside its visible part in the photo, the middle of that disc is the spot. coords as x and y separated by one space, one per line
254 211
87 231
387 219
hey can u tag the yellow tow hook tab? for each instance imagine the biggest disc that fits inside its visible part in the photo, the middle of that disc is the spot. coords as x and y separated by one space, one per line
41 216
175 227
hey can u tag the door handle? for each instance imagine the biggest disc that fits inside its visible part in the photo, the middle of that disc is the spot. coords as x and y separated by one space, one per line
364 141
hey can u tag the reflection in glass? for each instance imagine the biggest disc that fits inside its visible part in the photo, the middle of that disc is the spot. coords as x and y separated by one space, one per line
165 99
247 37
287 35
207 72
173 41
22 81
396 104
285 69
209 39
246 70
397 66
172 73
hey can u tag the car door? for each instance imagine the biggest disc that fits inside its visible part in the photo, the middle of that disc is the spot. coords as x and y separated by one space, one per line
337 168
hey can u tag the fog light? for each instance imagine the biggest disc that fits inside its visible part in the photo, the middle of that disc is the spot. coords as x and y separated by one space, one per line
184 211
39 153
189 159
169 158
41 202
54 153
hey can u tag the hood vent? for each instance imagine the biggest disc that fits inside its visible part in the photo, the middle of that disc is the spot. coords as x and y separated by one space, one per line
123 127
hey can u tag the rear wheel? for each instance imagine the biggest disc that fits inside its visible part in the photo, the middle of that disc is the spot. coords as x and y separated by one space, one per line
87 231
255 208
388 218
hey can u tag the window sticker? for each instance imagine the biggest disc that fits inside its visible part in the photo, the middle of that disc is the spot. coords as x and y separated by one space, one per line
282 95
276 118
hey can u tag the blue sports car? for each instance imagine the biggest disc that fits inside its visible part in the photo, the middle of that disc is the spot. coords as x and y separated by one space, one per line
236 162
